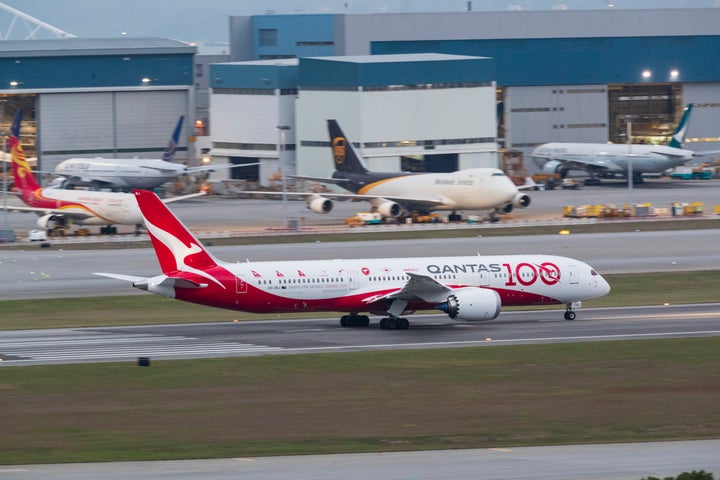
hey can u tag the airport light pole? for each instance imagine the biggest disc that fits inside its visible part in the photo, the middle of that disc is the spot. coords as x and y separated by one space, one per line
281 161
6 234
628 125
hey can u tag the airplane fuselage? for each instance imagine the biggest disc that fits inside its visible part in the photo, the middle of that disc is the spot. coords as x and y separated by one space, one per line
91 207
362 285
471 189
614 158
130 173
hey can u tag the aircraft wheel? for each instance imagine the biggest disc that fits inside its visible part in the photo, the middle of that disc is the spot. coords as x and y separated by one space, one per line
569 315
344 321
403 323
363 321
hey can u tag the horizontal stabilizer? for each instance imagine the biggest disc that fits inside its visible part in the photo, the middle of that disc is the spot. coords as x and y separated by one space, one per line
181 283
124 278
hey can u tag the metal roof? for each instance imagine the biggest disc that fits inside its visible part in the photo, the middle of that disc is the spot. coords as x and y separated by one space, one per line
77 47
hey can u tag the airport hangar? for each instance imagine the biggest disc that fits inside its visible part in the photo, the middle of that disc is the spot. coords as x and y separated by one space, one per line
114 97
558 75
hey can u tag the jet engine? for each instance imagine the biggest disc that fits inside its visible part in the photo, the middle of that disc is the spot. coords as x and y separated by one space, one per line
472 304
387 208
521 200
50 221
552 166
320 204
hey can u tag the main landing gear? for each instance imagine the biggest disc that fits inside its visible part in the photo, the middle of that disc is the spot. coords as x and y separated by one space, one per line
394 323
354 320
569 314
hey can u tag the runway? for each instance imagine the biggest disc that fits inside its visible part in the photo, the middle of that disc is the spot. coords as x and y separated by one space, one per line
41 273
207 340
623 461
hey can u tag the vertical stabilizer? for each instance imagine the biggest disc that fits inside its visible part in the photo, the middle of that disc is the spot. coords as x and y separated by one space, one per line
678 137
176 248
22 175
345 157
169 153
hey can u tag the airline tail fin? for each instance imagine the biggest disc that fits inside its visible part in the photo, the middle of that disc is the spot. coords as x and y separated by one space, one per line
22 175
175 246
169 153
346 158
680 133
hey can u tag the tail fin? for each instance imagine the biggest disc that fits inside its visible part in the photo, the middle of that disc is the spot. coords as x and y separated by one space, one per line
22 175
176 248
346 158
678 137
169 153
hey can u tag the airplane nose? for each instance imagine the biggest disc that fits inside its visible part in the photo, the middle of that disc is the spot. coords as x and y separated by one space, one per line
603 286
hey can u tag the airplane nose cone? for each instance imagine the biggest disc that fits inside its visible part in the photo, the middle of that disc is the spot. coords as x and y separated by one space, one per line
603 287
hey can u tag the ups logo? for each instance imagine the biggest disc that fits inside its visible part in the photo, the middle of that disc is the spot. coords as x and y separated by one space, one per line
338 148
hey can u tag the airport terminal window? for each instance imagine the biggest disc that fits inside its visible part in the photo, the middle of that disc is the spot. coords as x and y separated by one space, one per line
267 37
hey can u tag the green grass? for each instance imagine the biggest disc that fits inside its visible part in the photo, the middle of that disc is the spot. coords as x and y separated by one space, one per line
359 402
146 309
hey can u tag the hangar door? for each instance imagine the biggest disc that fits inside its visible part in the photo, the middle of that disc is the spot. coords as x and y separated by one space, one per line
108 124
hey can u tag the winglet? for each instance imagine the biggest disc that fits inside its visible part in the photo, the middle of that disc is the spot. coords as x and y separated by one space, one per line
169 153
678 137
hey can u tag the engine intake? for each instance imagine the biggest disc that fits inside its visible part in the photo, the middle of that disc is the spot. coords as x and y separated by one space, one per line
387 208
319 204
472 304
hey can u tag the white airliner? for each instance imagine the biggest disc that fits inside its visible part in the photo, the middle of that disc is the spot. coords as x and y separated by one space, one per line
398 194
472 288
66 207
601 160
128 173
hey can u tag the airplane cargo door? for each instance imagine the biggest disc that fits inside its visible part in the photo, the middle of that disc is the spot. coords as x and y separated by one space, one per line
573 273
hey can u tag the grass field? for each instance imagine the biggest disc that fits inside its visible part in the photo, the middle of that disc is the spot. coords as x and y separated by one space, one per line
355 402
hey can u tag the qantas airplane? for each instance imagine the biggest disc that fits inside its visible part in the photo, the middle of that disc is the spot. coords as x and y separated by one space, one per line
128 173
65 207
397 194
607 160
471 288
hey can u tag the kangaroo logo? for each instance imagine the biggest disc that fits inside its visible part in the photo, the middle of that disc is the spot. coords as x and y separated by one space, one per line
338 147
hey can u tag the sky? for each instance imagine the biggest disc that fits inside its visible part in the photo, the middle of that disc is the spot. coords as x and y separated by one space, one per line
202 21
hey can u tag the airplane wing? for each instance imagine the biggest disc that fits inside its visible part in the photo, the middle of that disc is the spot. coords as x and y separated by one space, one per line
221 166
422 202
183 197
590 163
420 287
331 181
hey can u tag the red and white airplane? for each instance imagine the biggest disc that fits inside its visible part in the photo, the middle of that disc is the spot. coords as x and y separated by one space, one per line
59 206
469 288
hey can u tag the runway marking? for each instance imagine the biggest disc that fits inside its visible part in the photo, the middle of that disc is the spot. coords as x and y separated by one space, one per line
510 340
102 345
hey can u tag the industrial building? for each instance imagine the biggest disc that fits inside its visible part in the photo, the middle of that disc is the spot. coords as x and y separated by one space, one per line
118 97
559 75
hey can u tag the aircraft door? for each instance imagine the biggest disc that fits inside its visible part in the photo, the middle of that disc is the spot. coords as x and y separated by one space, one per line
573 274
353 282
240 284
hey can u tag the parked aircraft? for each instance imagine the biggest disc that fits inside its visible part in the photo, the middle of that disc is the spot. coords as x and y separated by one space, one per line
128 173
471 288
66 207
601 160
398 194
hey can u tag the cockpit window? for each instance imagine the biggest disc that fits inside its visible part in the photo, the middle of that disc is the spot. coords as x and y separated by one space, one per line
498 174
593 272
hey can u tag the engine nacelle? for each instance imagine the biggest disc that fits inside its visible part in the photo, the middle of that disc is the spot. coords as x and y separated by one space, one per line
320 204
387 208
552 167
472 304
521 200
